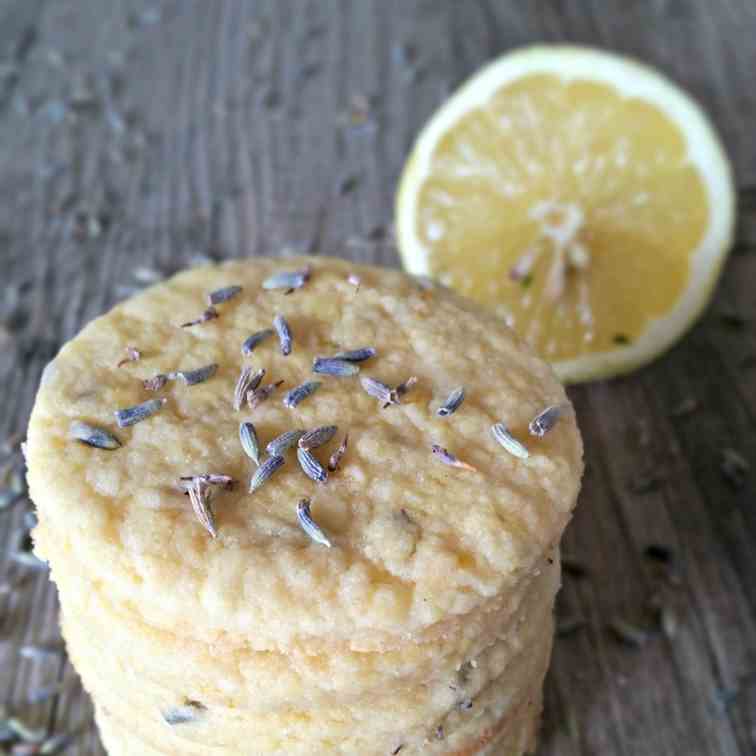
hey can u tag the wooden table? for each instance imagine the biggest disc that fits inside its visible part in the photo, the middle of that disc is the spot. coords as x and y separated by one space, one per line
144 134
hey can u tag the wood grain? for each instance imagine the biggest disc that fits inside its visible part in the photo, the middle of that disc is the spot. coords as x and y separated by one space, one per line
144 134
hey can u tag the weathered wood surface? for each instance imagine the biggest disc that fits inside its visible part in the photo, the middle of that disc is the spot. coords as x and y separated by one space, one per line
142 133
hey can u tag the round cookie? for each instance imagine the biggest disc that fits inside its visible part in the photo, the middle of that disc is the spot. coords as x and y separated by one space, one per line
237 676
432 542
456 697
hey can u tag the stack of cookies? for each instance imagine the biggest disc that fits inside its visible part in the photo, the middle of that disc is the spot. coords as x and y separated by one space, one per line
262 552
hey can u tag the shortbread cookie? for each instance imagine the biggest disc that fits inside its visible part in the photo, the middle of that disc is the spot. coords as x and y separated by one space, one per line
309 595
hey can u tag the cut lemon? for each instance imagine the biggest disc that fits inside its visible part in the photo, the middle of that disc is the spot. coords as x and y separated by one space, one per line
581 195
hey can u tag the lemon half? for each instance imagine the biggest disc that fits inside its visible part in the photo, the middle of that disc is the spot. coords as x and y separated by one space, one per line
581 195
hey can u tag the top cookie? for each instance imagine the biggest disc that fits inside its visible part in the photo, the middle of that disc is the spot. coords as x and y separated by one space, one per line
414 541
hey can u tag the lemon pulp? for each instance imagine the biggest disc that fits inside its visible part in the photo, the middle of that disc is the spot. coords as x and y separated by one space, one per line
569 208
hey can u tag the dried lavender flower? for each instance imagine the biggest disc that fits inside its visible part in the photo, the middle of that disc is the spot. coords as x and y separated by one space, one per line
189 711
247 382
508 441
289 280
249 441
219 480
257 396
311 467
156 382
404 387
449 459
335 460
256 379
209 314
544 421
452 403
223 295
377 389
296 395
242 386
284 334
334 366
213 479
252 341
281 444
192 377
356 355
317 436
133 415
93 436
264 471
199 495
132 355
309 525
385 393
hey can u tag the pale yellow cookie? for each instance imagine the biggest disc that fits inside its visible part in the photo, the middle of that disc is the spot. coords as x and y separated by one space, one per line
432 548
237 677
471 724
492 678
